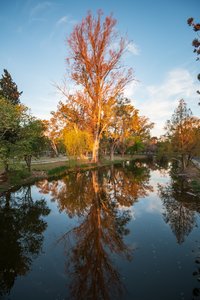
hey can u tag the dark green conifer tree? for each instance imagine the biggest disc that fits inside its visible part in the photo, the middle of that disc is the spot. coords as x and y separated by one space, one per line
9 89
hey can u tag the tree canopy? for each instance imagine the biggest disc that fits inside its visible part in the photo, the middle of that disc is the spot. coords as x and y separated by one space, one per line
183 131
95 68
9 89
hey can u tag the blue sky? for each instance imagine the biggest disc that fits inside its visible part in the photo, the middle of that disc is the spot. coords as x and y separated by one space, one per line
33 49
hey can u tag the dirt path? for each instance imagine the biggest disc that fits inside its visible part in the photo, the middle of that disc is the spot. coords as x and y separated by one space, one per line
48 160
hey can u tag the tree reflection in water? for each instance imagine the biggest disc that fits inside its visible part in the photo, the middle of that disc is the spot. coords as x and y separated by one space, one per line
101 197
180 205
20 234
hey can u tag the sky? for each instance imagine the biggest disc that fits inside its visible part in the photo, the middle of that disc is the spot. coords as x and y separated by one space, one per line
33 48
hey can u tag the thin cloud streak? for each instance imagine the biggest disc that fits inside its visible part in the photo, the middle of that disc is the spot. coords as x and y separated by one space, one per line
40 7
63 23
65 20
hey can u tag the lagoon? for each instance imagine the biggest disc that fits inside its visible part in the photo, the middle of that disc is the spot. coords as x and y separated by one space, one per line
129 231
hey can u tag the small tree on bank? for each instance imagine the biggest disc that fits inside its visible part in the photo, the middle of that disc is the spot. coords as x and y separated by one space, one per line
10 119
32 140
95 67
21 135
183 132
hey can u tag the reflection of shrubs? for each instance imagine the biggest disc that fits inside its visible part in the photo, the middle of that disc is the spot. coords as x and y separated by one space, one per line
15 176
196 274
195 186
162 163
57 171
21 234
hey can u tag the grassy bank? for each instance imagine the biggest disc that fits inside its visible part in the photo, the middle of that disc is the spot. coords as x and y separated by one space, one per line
20 176
193 174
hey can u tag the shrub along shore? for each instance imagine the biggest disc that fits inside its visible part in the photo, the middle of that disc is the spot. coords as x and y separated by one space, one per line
51 170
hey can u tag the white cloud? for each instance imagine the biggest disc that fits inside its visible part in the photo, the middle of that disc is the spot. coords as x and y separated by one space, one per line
40 7
133 48
159 101
131 89
65 20
153 205
62 20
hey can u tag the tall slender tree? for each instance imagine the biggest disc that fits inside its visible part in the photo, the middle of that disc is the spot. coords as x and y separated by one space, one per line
95 51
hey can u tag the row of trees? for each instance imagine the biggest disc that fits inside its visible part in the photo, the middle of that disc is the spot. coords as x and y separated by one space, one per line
22 136
126 131
96 118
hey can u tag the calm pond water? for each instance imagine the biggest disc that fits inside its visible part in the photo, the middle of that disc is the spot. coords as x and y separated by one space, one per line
123 232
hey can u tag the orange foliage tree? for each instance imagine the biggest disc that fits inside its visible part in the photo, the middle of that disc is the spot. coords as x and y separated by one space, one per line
127 127
95 52
183 132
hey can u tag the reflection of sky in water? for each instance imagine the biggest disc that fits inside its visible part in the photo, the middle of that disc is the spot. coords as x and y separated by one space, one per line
151 203
160 268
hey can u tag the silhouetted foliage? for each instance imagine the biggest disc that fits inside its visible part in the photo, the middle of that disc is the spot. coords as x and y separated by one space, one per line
195 42
21 229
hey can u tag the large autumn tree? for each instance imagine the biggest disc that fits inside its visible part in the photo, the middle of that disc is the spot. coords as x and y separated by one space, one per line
95 51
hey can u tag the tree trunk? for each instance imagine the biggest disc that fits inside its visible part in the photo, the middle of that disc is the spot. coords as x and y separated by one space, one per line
122 152
188 160
111 152
95 151
183 162
8 196
27 159
53 145
6 167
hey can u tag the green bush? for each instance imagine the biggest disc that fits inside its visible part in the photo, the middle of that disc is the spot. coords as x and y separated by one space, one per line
15 176
195 186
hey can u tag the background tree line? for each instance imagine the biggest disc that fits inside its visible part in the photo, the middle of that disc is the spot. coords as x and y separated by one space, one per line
96 119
